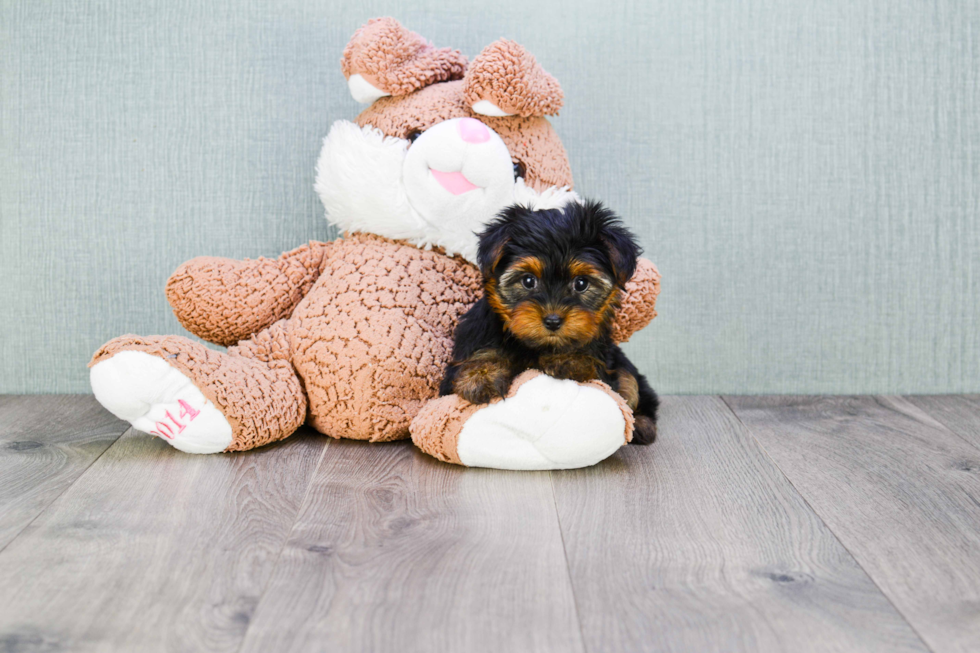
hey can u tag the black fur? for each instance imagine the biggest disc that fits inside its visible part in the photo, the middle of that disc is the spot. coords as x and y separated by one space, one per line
589 228
489 347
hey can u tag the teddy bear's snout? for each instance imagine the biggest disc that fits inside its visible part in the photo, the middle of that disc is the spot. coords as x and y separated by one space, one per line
462 146
472 130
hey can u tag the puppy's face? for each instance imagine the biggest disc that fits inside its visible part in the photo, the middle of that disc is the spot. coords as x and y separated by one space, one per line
554 276
554 300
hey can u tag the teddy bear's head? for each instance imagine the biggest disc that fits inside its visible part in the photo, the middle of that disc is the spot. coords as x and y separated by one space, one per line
445 144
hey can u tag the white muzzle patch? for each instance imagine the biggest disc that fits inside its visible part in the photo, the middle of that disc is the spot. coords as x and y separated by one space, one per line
439 191
458 185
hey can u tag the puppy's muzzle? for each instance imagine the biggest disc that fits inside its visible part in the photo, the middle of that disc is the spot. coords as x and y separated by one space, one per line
553 321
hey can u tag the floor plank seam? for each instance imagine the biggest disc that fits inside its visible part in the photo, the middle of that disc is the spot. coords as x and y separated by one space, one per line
61 494
285 542
568 570
936 416
824 522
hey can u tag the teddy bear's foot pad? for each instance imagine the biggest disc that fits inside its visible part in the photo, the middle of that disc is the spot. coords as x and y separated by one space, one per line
547 424
158 399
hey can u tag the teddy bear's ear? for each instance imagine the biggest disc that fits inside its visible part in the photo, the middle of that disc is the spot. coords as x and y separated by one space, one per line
506 80
383 58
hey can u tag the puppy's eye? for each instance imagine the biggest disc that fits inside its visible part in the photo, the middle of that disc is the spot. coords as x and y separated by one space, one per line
529 281
580 284
413 135
519 170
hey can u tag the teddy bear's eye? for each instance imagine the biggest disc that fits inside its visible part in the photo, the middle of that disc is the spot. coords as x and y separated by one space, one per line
519 170
413 135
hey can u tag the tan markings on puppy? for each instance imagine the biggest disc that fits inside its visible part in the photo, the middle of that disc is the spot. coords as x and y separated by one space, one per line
583 269
524 318
607 311
530 264
576 366
602 295
506 294
484 376
581 325
496 301
527 324
527 265
628 389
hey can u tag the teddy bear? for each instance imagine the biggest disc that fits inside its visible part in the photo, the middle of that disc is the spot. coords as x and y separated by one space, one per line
351 337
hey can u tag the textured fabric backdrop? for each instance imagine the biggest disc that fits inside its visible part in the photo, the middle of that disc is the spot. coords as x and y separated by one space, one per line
805 174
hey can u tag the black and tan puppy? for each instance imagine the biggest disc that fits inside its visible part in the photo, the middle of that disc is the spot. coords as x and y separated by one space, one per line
552 283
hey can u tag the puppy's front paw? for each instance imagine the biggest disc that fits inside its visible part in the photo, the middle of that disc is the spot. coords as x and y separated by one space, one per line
485 376
628 388
576 366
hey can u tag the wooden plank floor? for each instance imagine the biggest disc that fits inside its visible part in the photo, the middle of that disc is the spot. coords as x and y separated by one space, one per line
899 490
753 524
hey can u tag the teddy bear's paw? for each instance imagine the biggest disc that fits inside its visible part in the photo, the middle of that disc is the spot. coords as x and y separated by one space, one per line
158 399
547 424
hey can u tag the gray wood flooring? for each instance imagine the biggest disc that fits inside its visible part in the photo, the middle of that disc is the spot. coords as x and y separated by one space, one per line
752 524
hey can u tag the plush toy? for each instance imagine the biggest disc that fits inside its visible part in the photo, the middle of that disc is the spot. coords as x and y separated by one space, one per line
352 336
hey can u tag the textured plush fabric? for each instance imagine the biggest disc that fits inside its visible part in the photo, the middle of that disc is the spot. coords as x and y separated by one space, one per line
435 430
368 343
354 336
638 307
397 60
362 176
437 427
372 338
254 385
511 78
531 141
157 398
804 174
223 300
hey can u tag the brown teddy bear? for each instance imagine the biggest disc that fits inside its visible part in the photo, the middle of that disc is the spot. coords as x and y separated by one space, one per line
352 336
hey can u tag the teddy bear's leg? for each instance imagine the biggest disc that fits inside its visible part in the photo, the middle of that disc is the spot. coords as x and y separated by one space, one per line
544 423
200 400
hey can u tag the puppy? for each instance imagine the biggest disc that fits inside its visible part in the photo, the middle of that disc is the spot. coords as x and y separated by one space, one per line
553 280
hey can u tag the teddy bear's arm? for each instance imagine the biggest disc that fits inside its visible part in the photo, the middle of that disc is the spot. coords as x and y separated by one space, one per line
637 308
225 300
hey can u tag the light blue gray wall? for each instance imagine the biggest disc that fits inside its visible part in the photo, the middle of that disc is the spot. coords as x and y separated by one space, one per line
806 174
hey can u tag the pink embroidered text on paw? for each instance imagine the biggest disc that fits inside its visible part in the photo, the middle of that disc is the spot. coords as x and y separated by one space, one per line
186 410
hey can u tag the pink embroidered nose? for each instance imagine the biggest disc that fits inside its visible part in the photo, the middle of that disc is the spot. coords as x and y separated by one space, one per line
472 130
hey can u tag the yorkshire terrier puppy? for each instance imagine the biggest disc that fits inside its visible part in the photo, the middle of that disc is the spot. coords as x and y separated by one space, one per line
552 280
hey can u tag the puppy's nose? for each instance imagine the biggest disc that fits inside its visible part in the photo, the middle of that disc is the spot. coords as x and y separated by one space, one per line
553 321
472 130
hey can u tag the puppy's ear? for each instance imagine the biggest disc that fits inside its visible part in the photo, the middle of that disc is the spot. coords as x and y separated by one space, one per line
493 244
617 240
